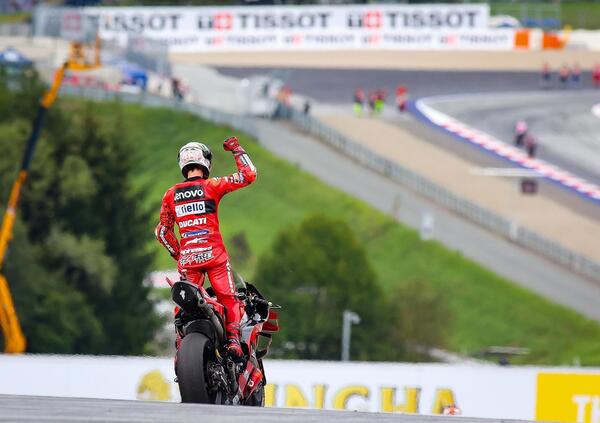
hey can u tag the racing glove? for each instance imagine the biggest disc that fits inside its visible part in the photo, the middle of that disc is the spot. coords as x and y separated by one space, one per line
232 144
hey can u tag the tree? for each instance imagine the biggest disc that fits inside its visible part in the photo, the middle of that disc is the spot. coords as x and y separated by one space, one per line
421 319
55 316
121 221
78 280
316 271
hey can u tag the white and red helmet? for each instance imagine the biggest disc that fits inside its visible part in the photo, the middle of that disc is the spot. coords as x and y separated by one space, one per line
195 153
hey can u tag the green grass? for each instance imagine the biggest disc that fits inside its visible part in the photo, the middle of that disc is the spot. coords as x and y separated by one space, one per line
581 15
13 18
577 14
488 310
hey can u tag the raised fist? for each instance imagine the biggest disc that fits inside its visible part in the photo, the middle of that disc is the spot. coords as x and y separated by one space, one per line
232 144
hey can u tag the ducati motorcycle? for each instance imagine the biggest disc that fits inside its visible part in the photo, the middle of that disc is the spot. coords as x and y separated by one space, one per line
204 373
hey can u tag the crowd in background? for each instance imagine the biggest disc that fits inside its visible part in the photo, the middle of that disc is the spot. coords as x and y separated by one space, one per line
567 76
374 101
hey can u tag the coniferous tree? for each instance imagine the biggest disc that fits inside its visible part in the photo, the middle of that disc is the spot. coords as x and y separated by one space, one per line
77 263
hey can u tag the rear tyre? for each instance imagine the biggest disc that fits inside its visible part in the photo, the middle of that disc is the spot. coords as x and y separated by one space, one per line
194 354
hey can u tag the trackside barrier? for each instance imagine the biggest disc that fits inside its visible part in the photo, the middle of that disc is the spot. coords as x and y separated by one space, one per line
436 193
240 123
15 30
564 394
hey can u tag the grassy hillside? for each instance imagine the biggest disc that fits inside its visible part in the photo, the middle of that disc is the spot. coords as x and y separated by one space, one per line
13 18
577 14
488 309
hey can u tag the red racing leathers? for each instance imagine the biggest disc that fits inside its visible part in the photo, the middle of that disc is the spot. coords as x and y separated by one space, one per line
193 205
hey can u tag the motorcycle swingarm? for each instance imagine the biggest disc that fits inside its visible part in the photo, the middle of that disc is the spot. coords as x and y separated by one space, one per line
202 326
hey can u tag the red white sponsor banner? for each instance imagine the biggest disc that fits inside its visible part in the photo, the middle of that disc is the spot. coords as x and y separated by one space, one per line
200 29
492 39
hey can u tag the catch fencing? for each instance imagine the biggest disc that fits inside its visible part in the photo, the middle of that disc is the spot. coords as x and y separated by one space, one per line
495 223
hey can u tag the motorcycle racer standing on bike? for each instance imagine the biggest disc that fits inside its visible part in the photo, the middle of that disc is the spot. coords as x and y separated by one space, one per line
193 205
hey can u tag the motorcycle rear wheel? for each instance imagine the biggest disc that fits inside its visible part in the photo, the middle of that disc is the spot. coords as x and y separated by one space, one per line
194 354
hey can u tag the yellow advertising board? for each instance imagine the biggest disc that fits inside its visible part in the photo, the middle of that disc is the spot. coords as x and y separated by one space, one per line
568 397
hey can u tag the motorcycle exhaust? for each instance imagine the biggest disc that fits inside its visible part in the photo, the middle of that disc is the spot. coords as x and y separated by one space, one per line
211 315
233 378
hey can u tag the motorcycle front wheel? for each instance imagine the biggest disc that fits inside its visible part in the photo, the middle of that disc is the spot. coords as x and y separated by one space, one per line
257 399
194 354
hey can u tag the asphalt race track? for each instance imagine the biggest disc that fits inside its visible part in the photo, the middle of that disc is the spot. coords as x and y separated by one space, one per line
50 409
545 110
500 255
567 132
338 85
482 158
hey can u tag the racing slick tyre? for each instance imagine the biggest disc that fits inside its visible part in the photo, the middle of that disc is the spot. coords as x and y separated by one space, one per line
194 354
257 399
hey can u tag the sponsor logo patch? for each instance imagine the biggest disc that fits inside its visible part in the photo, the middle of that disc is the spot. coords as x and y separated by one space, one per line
236 178
197 207
193 222
197 241
195 258
193 192
196 233
195 250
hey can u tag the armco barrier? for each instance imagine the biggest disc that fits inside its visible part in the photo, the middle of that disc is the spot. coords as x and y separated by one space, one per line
15 30
489 220
436 193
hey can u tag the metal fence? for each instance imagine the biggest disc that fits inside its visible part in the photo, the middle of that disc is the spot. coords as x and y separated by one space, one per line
241 123
439 195
15 30
436 193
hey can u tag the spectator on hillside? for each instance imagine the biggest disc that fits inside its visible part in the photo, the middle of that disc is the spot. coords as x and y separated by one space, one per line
283 99
401 98
306 107
380 96
546 76
358 101
563 75
176 89
372 100
520 132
